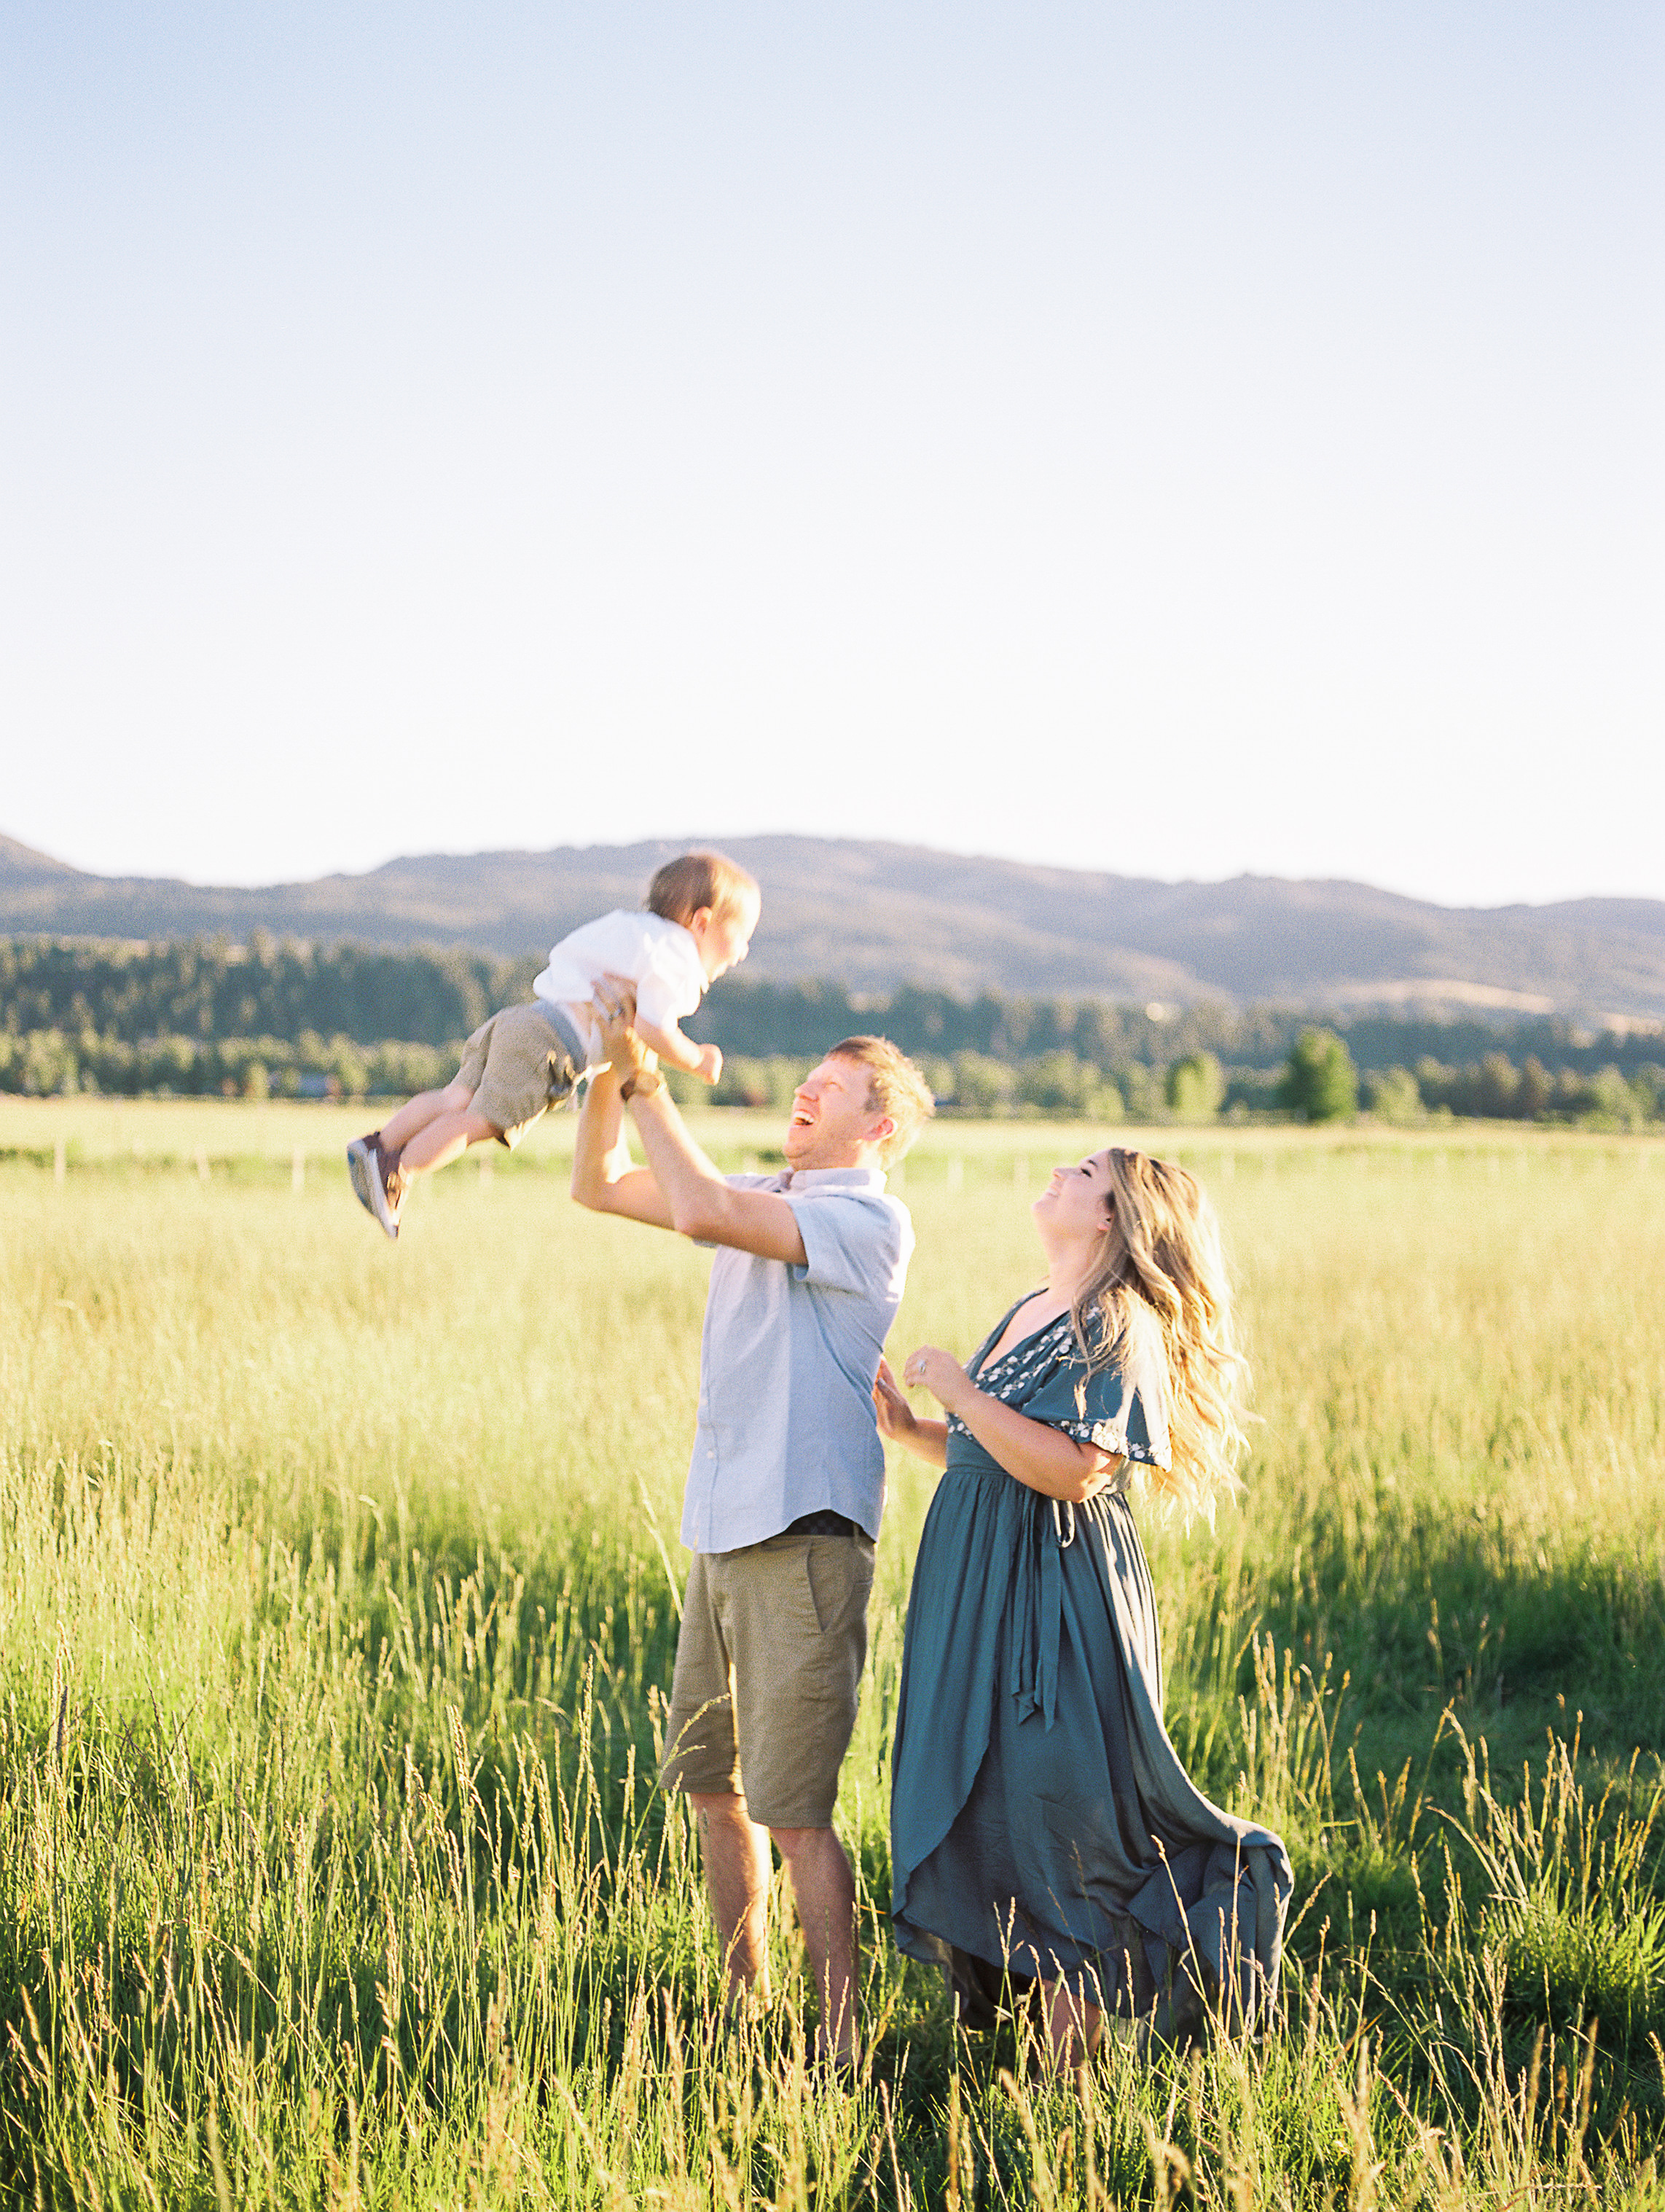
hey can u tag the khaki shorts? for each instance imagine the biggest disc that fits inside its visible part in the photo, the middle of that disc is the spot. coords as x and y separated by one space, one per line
518 1064
769 1665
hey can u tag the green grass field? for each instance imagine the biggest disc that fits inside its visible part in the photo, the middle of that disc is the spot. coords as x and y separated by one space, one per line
339 1579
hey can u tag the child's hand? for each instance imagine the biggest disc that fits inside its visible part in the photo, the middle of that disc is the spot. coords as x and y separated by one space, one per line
711 1064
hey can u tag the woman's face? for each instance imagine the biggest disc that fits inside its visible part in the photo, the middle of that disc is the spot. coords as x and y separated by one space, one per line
1076 1201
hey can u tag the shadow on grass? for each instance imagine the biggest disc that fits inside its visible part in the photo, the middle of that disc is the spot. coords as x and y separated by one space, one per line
1434 1615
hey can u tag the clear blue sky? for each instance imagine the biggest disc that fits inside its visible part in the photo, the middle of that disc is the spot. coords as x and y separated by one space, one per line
1171 439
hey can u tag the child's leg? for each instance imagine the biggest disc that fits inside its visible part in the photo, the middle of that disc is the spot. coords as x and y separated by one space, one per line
442 1138
427 1106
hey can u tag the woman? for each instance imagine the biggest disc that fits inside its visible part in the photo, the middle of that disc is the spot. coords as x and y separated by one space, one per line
1041 1824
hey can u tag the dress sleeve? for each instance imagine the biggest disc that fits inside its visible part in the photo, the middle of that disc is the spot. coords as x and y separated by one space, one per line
1119 1408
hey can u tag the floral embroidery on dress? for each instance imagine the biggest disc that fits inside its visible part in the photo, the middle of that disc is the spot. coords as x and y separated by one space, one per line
1018 1376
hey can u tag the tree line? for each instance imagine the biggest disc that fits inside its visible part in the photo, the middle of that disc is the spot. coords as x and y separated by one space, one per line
281 1018
212 991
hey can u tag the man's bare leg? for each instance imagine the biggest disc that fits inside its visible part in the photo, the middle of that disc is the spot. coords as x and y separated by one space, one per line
824 1890
737 1872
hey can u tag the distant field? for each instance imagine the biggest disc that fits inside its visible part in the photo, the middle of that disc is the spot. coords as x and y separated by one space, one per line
337 1585
108 1129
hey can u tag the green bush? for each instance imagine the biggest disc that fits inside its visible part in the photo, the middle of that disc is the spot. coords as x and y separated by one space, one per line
1610 1101
982 1087
1196 1087
1059 1084
1321 1083
1141 1091
1393 1096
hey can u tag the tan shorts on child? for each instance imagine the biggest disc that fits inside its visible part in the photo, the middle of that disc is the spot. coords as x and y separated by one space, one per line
769 1665
518 1064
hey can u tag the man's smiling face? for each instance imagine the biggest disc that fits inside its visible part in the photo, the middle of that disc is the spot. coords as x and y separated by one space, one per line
835 1122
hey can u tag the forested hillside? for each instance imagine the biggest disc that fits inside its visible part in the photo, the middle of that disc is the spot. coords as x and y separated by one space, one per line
209 988
302 1019
875 915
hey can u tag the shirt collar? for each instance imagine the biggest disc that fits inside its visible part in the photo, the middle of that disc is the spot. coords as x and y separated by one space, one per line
835 1178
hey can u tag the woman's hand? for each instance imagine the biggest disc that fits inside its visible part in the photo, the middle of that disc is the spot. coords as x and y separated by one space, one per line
941 1374
1033 1453
897 1421
899 1425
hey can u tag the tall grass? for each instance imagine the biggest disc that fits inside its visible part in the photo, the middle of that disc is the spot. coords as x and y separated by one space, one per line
339 1591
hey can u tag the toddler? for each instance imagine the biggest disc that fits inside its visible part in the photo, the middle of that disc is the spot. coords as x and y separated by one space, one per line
701 912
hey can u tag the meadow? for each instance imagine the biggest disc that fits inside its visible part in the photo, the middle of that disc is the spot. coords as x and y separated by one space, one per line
338 1589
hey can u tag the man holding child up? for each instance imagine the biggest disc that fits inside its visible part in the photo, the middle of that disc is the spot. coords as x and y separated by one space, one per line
787 1486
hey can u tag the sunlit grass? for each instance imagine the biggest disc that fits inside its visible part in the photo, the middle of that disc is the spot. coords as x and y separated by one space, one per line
333 1577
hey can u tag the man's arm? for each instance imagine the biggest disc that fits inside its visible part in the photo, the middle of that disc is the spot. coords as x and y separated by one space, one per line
691 1187
605 1178
702 1204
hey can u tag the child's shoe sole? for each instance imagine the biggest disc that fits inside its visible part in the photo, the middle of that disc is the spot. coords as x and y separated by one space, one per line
383 1204
364 1171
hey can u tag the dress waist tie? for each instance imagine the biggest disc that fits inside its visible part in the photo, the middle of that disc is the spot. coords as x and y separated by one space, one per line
1038 1613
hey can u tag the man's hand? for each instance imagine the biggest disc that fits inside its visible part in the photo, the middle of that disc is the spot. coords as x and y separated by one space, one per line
691 1193
711 1063
614 1006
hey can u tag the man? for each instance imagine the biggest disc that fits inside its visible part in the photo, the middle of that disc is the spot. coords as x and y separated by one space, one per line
787 1486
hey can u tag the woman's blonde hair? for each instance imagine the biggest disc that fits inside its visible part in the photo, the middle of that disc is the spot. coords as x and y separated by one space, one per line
1162 1283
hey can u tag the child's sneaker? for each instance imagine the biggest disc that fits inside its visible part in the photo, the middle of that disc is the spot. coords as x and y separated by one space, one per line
361 1169
377 1183
387 1191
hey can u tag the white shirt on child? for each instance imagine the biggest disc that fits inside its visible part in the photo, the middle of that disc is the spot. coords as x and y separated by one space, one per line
660 956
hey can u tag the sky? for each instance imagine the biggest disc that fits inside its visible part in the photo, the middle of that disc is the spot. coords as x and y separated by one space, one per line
1179 439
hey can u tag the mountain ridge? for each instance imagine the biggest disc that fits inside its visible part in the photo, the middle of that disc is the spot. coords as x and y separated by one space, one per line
873 915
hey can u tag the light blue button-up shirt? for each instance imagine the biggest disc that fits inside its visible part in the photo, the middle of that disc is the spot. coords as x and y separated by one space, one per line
787 1361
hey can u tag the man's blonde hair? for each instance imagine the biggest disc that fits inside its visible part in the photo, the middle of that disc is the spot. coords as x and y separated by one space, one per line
895 1086
692 880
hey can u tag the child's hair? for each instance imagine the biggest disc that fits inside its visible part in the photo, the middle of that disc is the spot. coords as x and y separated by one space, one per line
692 880
1161 1279
895 1086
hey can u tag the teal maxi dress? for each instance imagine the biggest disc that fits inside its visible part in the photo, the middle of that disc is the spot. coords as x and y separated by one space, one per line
1041 1825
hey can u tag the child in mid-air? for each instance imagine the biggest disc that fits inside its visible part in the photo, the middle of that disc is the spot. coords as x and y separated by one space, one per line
700 914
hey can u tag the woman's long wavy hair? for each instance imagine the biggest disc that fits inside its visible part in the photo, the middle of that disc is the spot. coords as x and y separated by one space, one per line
1162 1282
